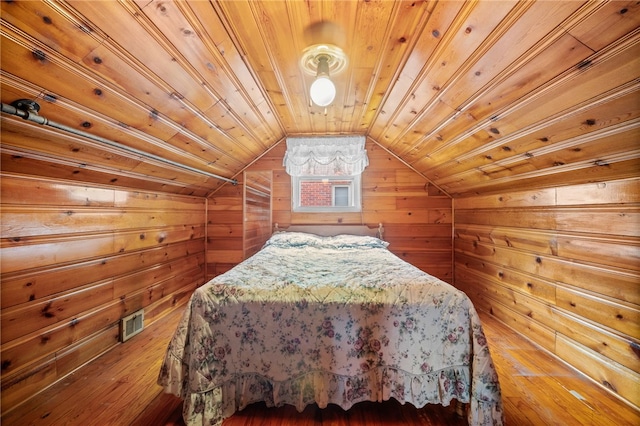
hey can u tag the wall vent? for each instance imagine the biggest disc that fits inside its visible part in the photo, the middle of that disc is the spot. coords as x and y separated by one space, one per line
131 325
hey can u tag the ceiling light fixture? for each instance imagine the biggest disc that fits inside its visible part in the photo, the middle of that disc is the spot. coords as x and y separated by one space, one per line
321 61
322 90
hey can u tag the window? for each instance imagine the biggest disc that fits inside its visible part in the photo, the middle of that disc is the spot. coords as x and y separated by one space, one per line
326 193
341 196
325 172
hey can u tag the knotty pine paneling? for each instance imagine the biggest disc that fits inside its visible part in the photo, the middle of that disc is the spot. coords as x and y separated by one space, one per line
239 221
560 265
225 230
257 210
77 258
417 218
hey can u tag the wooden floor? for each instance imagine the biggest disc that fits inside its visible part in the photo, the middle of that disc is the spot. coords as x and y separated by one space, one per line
119 388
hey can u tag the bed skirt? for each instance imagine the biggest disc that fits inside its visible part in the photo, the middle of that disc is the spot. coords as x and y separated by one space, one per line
323 388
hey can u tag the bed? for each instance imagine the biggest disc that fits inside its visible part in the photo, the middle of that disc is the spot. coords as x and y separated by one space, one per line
328 319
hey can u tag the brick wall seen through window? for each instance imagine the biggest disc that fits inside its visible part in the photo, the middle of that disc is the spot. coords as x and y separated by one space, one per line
317 193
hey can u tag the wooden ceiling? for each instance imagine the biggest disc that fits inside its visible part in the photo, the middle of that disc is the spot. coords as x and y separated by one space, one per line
477 96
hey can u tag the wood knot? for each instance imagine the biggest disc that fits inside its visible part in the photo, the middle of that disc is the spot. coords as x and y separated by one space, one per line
39 55
584 64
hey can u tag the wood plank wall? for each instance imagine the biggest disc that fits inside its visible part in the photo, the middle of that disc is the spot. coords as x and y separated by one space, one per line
75 259
417 217
561 266
257 210
225 231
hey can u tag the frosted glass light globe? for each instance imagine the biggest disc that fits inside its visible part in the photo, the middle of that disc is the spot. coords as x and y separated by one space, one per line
322 91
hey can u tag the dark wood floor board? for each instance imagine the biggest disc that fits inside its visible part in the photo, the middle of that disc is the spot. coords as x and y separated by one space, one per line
389 413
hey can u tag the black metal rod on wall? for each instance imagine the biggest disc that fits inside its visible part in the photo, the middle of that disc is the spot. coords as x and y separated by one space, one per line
28 109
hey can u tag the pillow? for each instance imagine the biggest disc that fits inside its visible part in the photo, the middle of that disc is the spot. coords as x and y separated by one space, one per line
294 239
338 242
345 241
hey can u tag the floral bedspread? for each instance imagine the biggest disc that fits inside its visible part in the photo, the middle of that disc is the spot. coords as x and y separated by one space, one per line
328 320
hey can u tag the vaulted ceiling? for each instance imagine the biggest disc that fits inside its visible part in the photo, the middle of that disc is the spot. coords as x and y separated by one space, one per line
477 96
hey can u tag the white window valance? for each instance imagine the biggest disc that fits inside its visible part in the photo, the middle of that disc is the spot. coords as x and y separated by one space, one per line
325 156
